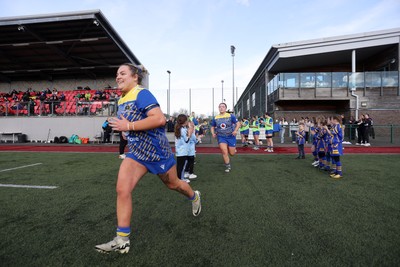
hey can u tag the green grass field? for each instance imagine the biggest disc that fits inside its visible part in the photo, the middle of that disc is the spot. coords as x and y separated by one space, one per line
271 210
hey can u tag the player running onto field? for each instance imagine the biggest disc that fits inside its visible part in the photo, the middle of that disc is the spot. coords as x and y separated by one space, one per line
225 126
142 121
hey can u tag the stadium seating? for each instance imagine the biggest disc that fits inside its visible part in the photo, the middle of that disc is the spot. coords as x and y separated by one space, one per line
71 106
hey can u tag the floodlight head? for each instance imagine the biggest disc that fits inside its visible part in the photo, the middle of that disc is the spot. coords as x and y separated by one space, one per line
233 50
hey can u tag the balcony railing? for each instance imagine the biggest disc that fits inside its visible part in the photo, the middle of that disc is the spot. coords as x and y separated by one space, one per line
334 80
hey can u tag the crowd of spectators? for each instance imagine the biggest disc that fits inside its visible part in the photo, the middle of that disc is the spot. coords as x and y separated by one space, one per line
54 102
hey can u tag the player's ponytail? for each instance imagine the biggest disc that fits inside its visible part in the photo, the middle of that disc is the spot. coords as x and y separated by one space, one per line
180 122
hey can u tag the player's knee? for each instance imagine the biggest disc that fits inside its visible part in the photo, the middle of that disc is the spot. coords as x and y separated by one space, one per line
123 192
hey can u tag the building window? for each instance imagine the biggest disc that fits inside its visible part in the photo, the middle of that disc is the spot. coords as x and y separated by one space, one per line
253 99
248 104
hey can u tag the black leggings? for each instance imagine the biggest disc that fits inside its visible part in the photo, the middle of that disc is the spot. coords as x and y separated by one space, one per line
184 164
122 144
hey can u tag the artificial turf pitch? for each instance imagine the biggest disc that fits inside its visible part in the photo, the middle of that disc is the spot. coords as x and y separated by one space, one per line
271 210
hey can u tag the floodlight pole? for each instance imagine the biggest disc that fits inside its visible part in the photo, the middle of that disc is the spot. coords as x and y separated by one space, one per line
222 85
233 76
168 92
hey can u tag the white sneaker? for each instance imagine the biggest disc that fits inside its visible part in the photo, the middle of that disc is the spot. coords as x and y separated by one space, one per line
186 175
186 180
196 204
357 144
256 148
117 245
367 144
315 163
227 168
363 144
192 176
122 156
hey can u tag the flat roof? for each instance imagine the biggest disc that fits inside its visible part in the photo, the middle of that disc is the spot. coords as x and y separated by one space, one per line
61 46
325 52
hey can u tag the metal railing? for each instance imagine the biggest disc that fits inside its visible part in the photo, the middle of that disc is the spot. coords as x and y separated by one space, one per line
59 108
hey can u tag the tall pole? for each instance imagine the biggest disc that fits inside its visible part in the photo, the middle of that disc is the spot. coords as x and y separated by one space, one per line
222 84
168 92
233 77
190 101
212 102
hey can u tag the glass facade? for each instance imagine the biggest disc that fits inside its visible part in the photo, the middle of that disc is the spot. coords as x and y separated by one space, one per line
334 80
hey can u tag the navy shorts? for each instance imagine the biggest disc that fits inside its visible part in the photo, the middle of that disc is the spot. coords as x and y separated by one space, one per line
230 140
155 167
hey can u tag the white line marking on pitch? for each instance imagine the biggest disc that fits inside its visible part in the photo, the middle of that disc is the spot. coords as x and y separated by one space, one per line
16 168
28 186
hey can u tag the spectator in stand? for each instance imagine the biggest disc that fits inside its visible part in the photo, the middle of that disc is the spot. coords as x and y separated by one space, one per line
88 95
293 127
62 97
53 103
283 125
360 131
31 107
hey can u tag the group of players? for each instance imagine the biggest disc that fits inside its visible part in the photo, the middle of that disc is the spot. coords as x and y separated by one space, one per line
257 124
327 140
327 145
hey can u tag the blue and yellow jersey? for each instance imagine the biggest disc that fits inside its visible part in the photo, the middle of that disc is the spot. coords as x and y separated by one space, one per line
337 134
224 124
301 137
151 145
321 139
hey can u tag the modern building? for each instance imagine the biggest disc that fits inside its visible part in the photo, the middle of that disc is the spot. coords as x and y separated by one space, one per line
350 75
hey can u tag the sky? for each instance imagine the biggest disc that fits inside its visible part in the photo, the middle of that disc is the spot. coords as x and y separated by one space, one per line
192 38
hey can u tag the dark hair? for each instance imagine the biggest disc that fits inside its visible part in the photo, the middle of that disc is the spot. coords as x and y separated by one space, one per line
223 104
139 70
180 121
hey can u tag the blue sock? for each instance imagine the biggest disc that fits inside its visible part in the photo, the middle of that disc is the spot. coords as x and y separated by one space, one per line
124 231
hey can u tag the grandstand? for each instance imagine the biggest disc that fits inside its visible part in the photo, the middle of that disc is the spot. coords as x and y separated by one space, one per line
73 54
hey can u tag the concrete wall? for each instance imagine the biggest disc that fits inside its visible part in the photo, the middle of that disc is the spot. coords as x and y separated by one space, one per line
37 128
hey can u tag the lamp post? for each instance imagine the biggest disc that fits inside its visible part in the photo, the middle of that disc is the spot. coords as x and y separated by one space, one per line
233 76
169 91
222 85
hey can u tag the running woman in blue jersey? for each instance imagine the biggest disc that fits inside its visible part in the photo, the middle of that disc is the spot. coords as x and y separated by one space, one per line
142 121
225 126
